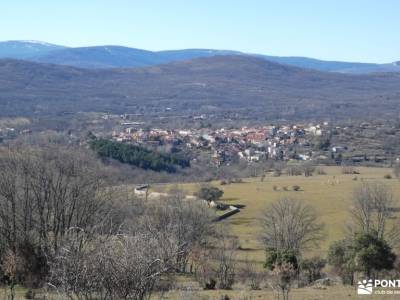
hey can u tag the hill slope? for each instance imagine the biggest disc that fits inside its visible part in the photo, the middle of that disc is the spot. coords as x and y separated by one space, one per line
247 86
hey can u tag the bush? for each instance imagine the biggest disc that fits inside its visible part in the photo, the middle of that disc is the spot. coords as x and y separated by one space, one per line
296 188
293 171
249 275
30 294
209 193
348 170
275 188
320 171
285 188
312 268
308 169
278 257
387 176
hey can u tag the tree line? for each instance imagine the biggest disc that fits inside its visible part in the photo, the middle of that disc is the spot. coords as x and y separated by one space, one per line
138 156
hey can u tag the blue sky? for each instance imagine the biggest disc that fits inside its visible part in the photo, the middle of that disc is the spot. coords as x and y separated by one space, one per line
348 30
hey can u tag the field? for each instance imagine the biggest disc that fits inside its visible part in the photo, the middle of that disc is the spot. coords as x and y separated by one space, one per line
330 293
329 194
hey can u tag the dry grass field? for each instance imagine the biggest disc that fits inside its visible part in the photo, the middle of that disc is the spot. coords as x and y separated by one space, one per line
329 194
330 293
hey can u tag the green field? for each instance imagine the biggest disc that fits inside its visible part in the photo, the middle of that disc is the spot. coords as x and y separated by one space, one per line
329 194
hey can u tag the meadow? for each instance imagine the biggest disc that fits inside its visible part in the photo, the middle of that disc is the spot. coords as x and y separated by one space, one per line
330 195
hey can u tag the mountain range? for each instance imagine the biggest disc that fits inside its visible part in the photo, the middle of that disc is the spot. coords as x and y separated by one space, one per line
103 57
243 85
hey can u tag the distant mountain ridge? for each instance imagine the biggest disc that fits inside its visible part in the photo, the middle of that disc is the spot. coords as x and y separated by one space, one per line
245 86
26 49
98 57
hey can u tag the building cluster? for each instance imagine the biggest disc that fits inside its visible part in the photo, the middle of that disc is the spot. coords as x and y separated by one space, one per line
251 144
7 133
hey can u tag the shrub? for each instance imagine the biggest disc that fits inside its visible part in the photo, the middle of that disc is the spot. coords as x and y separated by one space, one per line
293 171
285 188
251 276
387 176
275 188
209 193
348 170
296 188
312 268
308 169
30 294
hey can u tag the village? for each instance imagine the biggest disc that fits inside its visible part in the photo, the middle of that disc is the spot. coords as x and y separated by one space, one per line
251 144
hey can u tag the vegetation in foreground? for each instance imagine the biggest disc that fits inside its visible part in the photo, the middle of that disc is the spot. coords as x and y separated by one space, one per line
68 231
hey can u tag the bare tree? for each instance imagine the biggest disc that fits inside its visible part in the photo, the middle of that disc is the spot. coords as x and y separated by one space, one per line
308 168
43 193
372 207
224 256
289 224
278 168
123 266
396 170
283 275
252 274
189 222
216 266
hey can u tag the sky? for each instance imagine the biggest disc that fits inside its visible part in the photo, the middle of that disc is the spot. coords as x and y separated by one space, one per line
345 30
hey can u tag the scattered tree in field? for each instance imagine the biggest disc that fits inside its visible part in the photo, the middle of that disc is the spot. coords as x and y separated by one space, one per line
283 266
283 275
278 168
372 208
276 257
372 254
216 267
362 252
210 193
294 170
312 267
289 224
320 171
348 170
396 170
341 257
225 258
308 169
250 274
